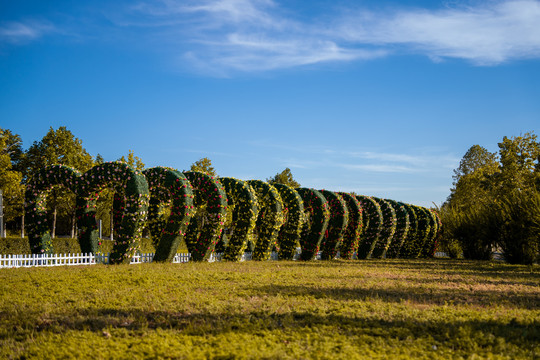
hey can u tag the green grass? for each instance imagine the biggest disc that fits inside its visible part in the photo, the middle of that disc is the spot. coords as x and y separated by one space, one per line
277 310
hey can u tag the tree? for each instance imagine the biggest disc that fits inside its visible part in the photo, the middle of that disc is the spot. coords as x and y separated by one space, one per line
285 177
204 165
58 147
471 177
465 213
132 160
496 203
519 163
12 147
10 179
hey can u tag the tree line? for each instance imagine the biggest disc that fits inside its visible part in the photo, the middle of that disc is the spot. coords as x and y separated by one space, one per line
61 147
494 204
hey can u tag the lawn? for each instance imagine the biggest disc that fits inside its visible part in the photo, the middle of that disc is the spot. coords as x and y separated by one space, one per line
277 310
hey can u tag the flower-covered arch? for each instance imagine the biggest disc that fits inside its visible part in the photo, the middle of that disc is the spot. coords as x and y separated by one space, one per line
402 229
269 220
388 229
243 201
206 226
132 186
36 204
339 218
169 188
289 234
318 215
351 235
374 221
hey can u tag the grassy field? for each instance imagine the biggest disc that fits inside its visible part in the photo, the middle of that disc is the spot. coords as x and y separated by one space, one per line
277 310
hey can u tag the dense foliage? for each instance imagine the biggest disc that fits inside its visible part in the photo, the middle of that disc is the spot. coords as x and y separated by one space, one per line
171 192
493 205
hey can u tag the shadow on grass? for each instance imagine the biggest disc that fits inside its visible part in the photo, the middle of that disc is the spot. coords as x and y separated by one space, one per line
467 333
410 294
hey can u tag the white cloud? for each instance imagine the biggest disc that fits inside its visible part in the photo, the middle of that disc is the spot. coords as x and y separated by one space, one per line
20 32
260 35
494 32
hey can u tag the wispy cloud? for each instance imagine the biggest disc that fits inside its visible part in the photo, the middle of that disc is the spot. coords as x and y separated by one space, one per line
16 32
488 34
260 35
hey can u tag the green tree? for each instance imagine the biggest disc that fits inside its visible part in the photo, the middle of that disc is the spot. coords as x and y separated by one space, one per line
204 165
517 199
465 213
10 179
285 177
61 147
519 168
132 160
12 147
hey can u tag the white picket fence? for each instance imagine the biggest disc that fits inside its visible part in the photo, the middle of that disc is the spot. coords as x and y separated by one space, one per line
29 260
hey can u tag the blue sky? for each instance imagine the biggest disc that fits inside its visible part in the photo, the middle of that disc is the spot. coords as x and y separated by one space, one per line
378 97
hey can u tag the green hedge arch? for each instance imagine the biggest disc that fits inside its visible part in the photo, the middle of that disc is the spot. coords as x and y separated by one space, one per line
409 248
423 230
35 196
133 187
289 234
206 225
168 188
428 250
374 222
402 229
243 203
317 217
339 219
388 229
355 226
269 220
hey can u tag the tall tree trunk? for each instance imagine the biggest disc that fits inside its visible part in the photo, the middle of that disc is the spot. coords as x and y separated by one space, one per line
54 224
73 222
22 226
112 224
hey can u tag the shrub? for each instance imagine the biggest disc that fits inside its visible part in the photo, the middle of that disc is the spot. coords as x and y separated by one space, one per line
517 220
